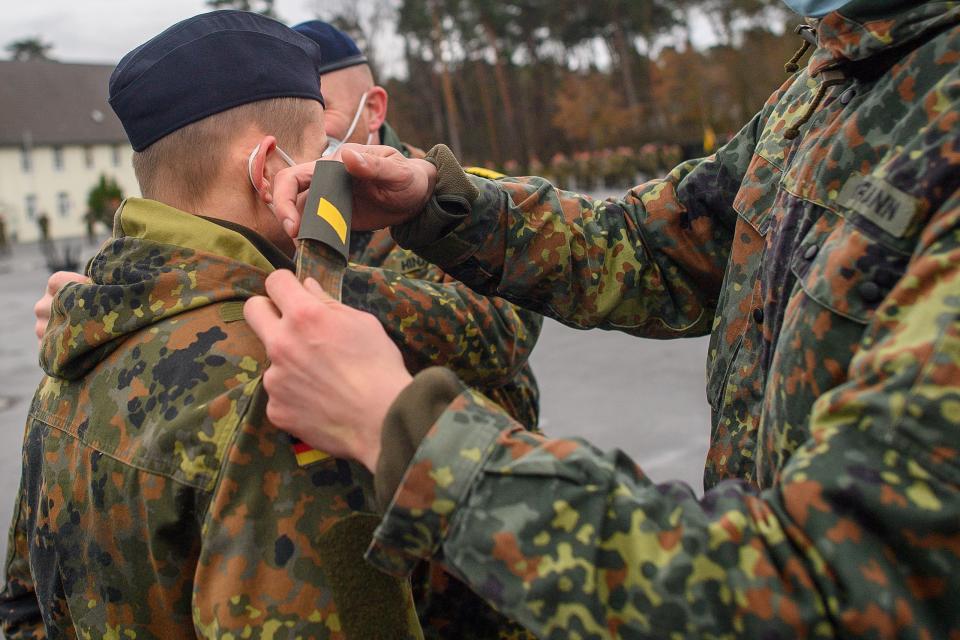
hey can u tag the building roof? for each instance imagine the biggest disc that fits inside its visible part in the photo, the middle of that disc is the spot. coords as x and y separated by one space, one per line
56 103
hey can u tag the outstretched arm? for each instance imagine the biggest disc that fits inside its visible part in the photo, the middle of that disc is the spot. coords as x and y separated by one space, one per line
485 340
859 537
650 263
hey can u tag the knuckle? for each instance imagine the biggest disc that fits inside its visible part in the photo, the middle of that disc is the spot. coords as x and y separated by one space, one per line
280 416
370 322
42 307
273 379
276 415
303 317
269 378
280 351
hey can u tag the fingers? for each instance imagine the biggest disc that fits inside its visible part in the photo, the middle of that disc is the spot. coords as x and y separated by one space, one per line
357 165
287 293
42 308
287 186
374 164
39 327
287 298
61 278
262 316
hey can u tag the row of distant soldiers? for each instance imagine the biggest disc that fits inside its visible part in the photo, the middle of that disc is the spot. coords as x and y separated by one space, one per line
43 224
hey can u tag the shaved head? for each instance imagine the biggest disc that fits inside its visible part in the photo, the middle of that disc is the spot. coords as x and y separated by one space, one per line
350 82
342 90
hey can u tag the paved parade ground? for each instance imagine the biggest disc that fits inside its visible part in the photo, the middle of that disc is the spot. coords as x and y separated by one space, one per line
643 396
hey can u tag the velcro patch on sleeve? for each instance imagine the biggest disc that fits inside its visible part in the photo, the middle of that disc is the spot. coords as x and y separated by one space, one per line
879 202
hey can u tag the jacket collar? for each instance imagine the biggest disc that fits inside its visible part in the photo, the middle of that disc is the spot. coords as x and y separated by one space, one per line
157 222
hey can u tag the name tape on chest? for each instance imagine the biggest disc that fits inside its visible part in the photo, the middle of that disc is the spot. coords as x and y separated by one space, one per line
879 202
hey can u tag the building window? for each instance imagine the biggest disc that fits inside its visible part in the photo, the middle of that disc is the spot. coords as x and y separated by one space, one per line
31 206
26 159
88 157
116 155
58 158
63 204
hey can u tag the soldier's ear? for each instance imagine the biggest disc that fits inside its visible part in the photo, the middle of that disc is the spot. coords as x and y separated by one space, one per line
262 167
377 100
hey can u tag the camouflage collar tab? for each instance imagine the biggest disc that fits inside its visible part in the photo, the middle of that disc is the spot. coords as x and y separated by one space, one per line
845 39
142 218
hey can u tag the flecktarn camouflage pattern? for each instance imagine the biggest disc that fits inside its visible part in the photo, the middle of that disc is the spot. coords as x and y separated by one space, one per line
827 268
489 340
493 356
157 501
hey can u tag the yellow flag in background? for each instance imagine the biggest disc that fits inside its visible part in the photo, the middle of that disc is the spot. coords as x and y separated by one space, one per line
709 139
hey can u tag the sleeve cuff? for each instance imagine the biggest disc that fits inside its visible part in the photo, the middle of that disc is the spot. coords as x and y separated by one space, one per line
436 483
431 234
408 420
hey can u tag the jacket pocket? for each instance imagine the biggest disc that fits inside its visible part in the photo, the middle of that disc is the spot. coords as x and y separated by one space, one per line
842 277
758 193
847 271
718 374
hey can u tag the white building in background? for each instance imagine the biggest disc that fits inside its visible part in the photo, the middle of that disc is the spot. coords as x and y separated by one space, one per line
58 135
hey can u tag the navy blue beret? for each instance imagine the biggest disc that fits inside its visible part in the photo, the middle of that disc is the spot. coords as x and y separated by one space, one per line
207 64
337 49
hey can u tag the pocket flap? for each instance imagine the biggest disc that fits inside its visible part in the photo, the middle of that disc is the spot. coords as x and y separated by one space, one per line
757 193
846 271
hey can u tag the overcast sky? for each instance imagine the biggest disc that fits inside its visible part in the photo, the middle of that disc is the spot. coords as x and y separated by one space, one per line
104 30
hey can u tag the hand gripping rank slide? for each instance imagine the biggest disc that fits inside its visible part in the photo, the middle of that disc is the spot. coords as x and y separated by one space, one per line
371 604
323 245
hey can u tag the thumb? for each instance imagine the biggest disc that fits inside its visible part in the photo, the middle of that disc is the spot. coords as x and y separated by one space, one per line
361 165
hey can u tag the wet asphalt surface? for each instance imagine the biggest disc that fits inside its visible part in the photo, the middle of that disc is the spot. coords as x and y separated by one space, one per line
642 396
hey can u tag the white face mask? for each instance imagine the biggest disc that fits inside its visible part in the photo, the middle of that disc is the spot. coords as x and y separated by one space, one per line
253 154
335 143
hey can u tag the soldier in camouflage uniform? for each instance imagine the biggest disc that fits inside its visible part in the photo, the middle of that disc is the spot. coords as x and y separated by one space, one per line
355 110
157 500
821 250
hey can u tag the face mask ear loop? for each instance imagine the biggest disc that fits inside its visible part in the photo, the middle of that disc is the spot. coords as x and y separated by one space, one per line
283 156
356 116
253 154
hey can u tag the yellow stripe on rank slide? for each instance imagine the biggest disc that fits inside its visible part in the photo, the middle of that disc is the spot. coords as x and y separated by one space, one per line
329 212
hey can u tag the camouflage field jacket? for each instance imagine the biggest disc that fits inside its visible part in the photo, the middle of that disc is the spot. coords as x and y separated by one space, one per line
495 335
821 250
156 499
500 350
